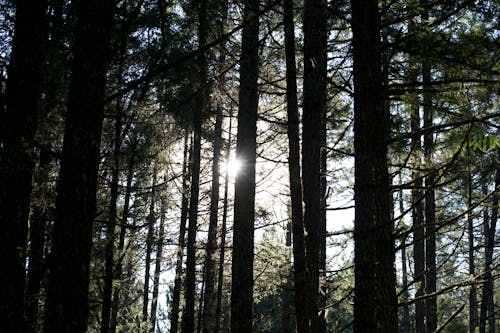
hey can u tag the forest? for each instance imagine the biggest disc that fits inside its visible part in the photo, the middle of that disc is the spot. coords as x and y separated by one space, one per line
267 166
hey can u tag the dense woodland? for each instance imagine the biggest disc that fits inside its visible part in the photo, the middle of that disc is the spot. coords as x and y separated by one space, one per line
249 166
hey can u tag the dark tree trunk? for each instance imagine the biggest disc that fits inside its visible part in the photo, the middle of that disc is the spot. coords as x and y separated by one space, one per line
66 308
149 247
109 254
36 268
186 175
156 277
405 324
17 131
417 204
244 189
487 315
121 242
222 253
375 303
199 105
430 207
299 255
210 298
473 313
314 107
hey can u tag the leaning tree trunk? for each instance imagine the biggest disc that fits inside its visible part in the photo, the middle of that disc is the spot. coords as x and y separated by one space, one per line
244 188
210 298
314 107
375 302
299 260
66 308
17 131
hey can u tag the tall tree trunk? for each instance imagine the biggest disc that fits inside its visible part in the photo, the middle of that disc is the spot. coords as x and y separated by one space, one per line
405 325
222 252
314 107
17 131
121 241
109 251
36 268
244 188
149 246
417 205
186 175
200 104
210 298
487 315
299 254
430 202
156 277
375 303
473 313
66 308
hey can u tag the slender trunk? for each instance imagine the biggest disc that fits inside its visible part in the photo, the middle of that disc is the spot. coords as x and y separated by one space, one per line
66 307
473 313
487 300
186 175
149 247
36 268
417 206
200 304
222 253
109 251
430 203
199 105
210 298
322 234
156 278
299 260
405 325
17 131
375 303
244 188
314 107
121 242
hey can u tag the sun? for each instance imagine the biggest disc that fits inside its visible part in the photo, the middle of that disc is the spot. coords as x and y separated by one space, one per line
233 166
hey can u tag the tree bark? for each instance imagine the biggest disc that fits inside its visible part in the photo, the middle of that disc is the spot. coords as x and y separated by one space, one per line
314 107
375 303
210 298
186 175
66 308
244 197
17 131
299 254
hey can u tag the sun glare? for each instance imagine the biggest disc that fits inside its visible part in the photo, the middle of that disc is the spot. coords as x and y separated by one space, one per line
233 166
